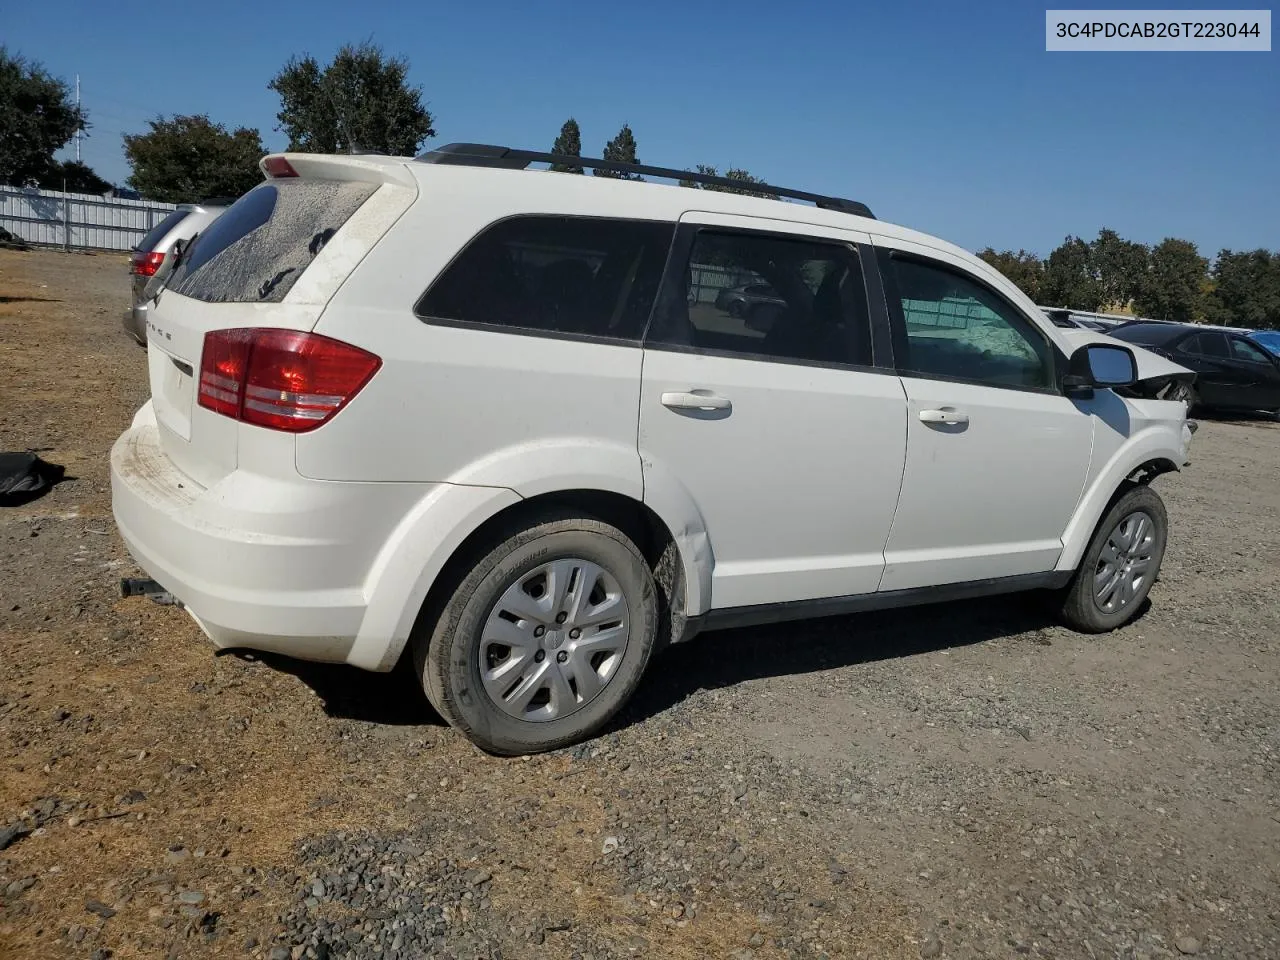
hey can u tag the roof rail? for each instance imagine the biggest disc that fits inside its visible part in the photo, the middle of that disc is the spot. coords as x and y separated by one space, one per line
488 155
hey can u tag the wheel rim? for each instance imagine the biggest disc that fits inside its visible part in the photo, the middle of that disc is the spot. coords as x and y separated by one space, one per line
554 640
1125 563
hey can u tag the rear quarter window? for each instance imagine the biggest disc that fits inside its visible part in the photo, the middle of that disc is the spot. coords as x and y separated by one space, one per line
258 249
563 275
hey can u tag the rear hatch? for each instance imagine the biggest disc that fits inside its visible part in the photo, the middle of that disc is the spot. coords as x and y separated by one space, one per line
272 260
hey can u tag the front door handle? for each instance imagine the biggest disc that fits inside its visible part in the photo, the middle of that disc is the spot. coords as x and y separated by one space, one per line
696 400
944 415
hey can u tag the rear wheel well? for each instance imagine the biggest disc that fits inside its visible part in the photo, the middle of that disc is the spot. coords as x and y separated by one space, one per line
641 525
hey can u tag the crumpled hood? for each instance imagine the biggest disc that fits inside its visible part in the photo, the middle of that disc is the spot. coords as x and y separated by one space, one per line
1151 366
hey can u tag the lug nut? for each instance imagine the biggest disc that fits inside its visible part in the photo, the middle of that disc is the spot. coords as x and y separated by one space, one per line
561 617
539 656
575 633
561 657
539 631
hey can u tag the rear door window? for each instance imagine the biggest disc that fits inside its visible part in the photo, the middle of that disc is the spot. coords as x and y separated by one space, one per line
1214 345
769 296
564 275
256 251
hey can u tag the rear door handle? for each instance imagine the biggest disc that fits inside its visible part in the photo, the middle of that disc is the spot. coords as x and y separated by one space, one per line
696 400
943 415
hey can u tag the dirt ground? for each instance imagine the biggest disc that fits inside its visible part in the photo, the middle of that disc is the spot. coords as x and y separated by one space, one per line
967 780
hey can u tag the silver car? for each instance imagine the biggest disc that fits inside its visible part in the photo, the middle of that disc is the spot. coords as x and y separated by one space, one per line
150 253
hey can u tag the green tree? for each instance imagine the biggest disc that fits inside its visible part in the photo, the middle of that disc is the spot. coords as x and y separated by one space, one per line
37 118
185 159
568 144
621 149
1023 268
1246 290
1173 287
360 101
1069 277
1120 267
733 173
74 177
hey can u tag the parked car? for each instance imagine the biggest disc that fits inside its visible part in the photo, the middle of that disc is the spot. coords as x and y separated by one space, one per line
1066 320
1232 371
459 411
1101 322
148 257
1269 340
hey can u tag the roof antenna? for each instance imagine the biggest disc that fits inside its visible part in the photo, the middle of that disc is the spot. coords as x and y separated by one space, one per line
352 147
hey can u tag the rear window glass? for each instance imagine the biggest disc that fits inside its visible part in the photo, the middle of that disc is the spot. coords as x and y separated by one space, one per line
156 233
574 275
256 251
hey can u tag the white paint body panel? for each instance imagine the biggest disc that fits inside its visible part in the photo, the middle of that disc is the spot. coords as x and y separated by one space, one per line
797 480
796 485
989 498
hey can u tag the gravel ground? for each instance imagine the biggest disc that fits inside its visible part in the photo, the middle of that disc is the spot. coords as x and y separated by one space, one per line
965 781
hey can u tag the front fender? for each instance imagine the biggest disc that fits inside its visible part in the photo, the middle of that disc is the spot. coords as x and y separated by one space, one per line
1164 442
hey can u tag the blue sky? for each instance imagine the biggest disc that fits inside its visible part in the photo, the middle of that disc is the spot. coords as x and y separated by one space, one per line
947 117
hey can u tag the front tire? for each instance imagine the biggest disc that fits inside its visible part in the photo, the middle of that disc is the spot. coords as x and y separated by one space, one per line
544 639
1120 565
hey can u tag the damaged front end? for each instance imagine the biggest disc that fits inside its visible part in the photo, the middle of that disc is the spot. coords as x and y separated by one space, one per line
1167 386
1159 378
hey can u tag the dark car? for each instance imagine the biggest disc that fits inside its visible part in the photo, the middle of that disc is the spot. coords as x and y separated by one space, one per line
757 303
1232 372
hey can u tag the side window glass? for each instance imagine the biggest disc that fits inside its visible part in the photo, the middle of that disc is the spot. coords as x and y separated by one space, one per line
573 275
1244 350
955 327
770 297
1192 346
1214 345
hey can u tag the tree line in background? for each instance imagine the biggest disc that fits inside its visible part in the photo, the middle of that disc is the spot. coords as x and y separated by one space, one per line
362 101
622 149
37 119
1168 281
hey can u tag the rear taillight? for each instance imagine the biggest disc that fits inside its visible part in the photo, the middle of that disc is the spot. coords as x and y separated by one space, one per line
280 379
145 264
278 167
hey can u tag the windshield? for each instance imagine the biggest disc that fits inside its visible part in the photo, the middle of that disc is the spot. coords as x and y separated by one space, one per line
157 233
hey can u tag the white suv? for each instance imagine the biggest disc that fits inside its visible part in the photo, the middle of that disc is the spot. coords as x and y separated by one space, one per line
494 417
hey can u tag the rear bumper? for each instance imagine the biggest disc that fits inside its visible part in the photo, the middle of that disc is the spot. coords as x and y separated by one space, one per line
259 562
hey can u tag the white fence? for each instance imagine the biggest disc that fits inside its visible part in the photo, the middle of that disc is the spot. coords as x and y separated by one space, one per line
77 221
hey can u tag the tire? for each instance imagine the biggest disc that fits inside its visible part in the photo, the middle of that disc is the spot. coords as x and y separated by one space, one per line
1087 609
737 309
562 707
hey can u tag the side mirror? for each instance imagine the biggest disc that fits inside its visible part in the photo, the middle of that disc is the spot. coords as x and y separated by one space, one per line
1101 365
